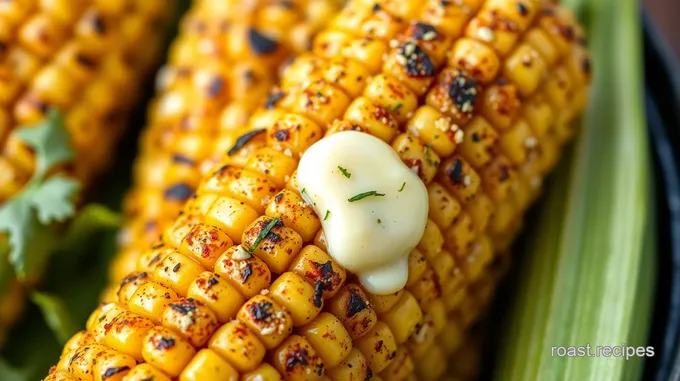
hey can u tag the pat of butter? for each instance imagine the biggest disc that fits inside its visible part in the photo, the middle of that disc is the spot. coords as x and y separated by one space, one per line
372 207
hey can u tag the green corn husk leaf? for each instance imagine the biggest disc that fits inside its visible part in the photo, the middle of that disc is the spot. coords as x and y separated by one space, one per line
589 269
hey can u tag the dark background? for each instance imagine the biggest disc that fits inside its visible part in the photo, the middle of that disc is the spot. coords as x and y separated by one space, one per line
666 13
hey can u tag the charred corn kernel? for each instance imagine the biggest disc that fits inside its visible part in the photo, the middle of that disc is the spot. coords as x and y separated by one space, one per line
111 365
272 242
301 300
207 365
264 372
144 372
60 376
151 299
296 360
167 350
443 83
378 346
236 343
352 307
269 320
205 244
354 366
330 338
192 319
319 270
246 273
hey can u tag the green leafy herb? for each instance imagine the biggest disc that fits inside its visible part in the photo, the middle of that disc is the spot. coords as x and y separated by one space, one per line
56 315
379 221
264 233
26 218
402 186
428 157
328 214
396 107
344 172
364 195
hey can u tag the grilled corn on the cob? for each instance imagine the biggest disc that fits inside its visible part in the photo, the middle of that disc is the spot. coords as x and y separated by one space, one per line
85 59
475 96
226 59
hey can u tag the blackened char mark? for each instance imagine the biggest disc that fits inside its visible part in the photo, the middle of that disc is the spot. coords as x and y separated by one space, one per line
261 44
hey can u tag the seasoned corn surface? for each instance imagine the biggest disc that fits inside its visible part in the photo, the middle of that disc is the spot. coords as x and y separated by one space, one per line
227 57
476 96
82 57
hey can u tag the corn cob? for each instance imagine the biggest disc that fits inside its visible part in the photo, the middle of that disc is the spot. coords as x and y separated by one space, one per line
79 57
221 68
475 96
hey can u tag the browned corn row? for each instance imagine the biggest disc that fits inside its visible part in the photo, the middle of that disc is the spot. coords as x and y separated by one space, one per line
476 96
221 68
82 57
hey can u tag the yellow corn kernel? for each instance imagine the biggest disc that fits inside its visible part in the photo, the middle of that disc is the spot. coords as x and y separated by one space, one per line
207 365
301 300
111 365
435 129
272 242
403 317
328 336
383 303
374 118
459 236
432 241
294 133
355 366
238 345
273 164
267 319
417 264
177 271
378 346
217 294
264 372
168 351
145 372
420 158
126 333
78 340
351 306
151 299
319 270
392 95
296 360
232 216
443 207
244 272
320 102
205 244
192 319
401 366
432 366
525 68
458 176
295 213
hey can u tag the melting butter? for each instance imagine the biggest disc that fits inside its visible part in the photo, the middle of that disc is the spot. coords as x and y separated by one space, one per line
372 207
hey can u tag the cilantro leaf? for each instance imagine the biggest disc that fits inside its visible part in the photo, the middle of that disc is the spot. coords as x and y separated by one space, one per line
27 216
90 219
51 142
53 199
30 241
56 315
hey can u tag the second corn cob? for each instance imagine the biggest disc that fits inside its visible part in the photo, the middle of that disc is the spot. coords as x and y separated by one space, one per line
475 96
79 57
221 67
